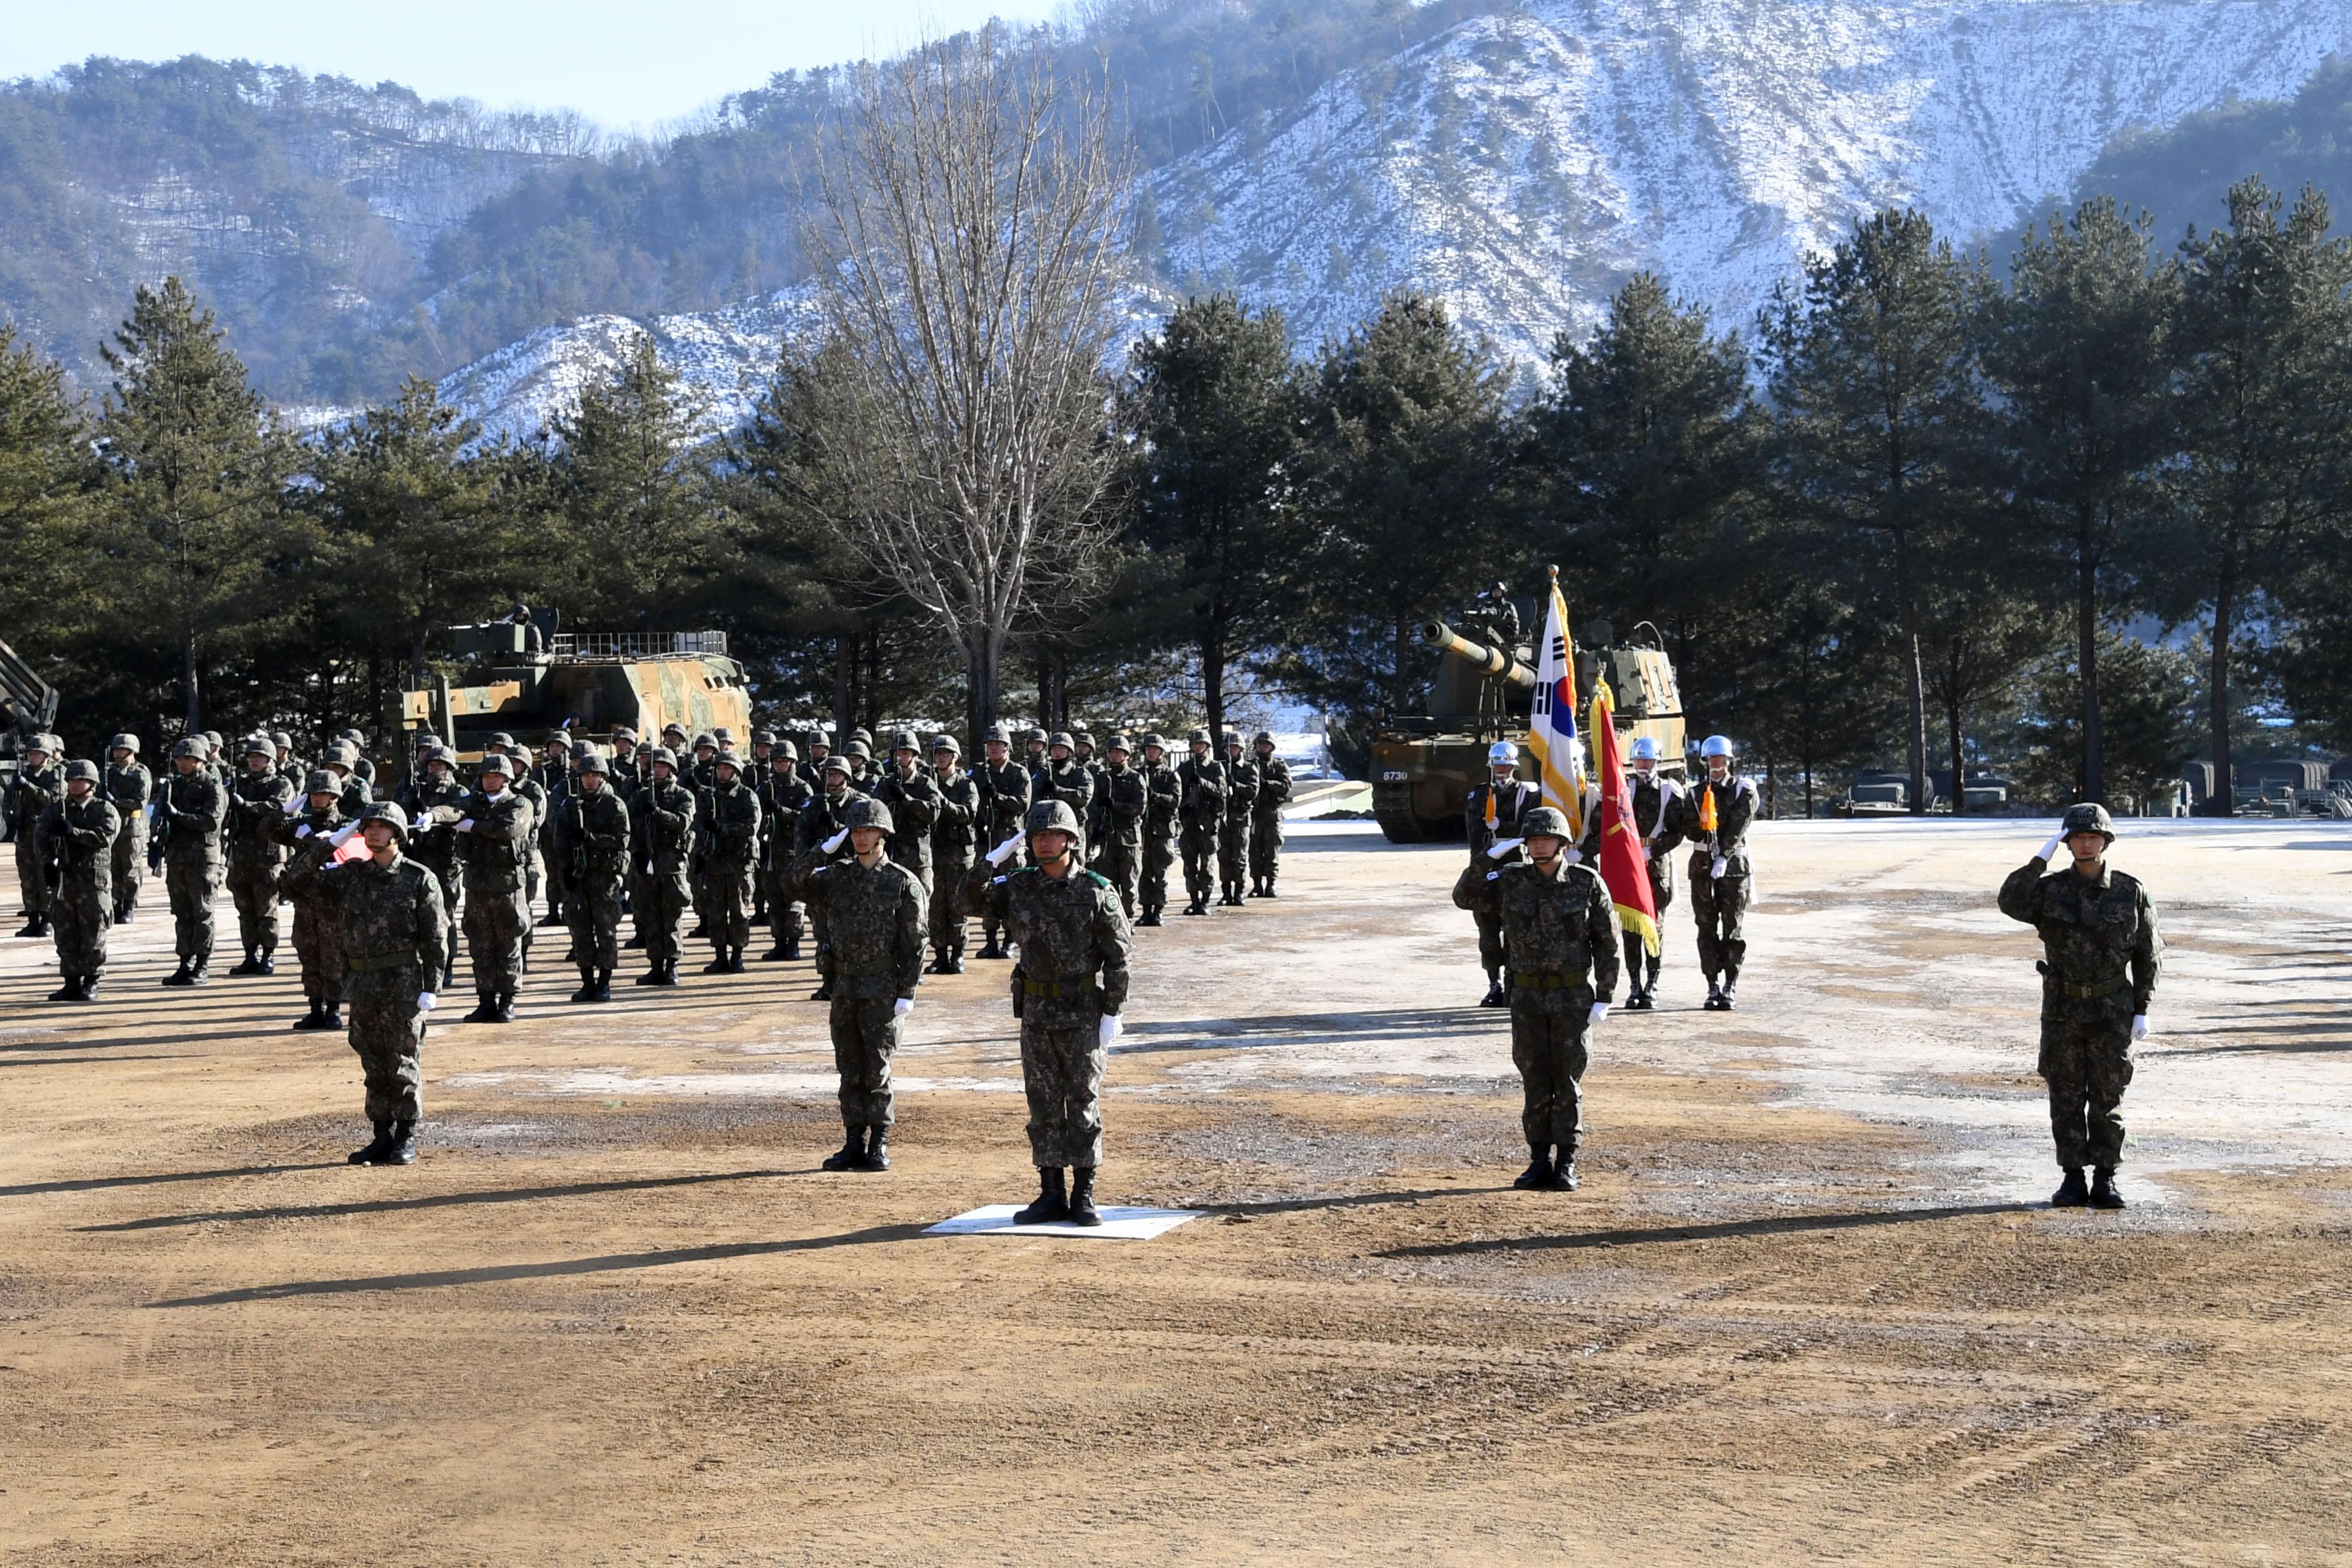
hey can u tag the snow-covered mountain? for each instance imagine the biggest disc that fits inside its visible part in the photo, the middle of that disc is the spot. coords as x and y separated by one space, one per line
1522 164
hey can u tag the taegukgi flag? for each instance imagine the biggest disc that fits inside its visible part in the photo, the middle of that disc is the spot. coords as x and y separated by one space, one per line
1551 719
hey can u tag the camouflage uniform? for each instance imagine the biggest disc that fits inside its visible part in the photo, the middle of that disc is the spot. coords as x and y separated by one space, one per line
731 848
1068 781
495 851
2103 954
914 803
1163 793
1234 831
528 786
193 806
316 941
1265 818
1560 930
128 786
553 777
394 933
1720 902
32 792
1119 852
1201 785
593 838
661 825
820 822
80 833
1004 804
955 842
1511 802
781 800
433 803
257 808
874 928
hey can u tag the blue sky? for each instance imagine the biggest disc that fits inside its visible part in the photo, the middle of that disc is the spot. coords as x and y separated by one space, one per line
622 62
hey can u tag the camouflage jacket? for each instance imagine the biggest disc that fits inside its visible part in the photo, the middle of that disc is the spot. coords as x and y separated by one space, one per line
386 916
79 834
1512 801
913 806
1735 801
820 821
661 825
1273 788
496 849
296 833
734 823
1066 780
2100 945
957 829
434 807
874 924
1004 799
190 809
1560 929
257 805
592 832
1163 793
1241 789
1122 806
782 798
1201 791
32 792
130 786
1074 940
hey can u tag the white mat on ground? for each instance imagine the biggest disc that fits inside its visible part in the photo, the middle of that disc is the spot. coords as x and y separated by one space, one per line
1118 1223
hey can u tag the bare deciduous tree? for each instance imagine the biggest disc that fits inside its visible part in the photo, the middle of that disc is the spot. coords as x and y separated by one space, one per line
969 254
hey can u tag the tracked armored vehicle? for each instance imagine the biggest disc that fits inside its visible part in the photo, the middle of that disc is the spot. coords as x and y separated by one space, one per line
1424 765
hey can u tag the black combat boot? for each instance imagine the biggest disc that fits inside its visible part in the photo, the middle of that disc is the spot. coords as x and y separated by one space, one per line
667 972
1150 917
1730 989
376 1149
1538 1172
792 950
554 917
734 961
587 992
1496 995
334 1017
955 963
268 962
69 992
449 975
1563 1171
717 964
200 972
1082 1196
504 1010
252 965
1257 887
851 1155
121 912
1269 889
698 933
1714 1003
1196 906
485 1011
603 987
88 988
2103 1190
130 913
1650 986
404 1145
774 954
1051 1207
636 941
878 1150
316 1018
989 949
2071 1194
824 992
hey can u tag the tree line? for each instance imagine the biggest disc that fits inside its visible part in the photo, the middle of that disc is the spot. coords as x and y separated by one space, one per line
1922 513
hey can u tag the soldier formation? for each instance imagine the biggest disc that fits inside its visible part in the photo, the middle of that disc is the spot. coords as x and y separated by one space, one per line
878 861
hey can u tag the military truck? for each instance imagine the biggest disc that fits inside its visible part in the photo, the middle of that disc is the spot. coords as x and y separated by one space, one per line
1424 765
527 684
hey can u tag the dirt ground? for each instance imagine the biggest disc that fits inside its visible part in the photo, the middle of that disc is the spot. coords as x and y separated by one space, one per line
1809 1304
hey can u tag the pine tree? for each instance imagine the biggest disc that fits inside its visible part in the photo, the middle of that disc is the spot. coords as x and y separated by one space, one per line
643 521
45 473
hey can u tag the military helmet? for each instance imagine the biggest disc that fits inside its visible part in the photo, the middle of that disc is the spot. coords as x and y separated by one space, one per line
322 781
521 754
705 738
340 755
443 755
1198 738
1149 739
2088 817
906 740
1645 750
663 755
858 749
123 743
1082 738
81 768
559 740
728 760
1052 816
724 736
386 811
866 811
1062 738
836 763
1716 746
672 728
281 740
783 752
623 732
188 746
53 744
1263 738
1033 736
1502 754
259 746
354 737
593 763
862 734
1547 820
213 739
426 738
1000 731
820 736
1116 743
495 761
764 737
948 743
499 741
1233 739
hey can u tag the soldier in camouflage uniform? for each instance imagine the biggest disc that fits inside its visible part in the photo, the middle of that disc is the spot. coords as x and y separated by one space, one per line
1004 785
394 934
1095 821
1162 794
1067 779
824 830
954 841
1234 831
494 838
39 784
1201 811
1560 929
189 811
1067 991
344 762
1266 816
730 854
554 774
592 838
257 808
433 800
525 783
662 830
781 800
316 942
1718 867
79 829
907 788
129 786
1119 801
873 910
2101 956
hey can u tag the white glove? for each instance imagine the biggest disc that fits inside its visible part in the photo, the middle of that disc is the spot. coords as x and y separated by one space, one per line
2139 1026
343 836
1502 846
295 804
902 1006
425 1001
1004 851
465 825
1716 870
1574 857
1600 1011
833 845
2051 848
304 831
1108 1030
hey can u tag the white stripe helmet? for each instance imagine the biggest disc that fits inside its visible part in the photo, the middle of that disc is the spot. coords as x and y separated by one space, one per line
1502 754
1645 750
1716 746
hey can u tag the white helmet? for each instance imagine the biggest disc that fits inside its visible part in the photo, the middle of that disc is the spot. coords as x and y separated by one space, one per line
1715 746
1502 754
1645 750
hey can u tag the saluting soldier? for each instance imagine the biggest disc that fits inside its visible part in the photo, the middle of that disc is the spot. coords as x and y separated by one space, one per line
191 809
781 800
39 784
1005 788
79 829
1200 781
1493 815
494 840
129 787
731 849
914 801
1162 794
594 835
1067 992
2101 955
1119 803
1654 810
1266 816
317 945
1713 814
1234 831
257 805
395 940
661 818
955 842
1560 929
872 908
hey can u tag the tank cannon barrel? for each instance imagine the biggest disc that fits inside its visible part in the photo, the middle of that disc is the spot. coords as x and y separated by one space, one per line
1486 660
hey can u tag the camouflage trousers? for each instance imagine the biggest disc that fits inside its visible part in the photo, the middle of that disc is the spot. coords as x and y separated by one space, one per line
1151 888
1493 953
663 899
130 858
193 884
864 1033
318 944
1061 1072
1233 848
951 903
1547 1046
32 876
497 923
2088 1065
1720 904
78 918
592 909
388 1033
1265 847
787 917
1119 864
1200 848
559 881
253 883
727 902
